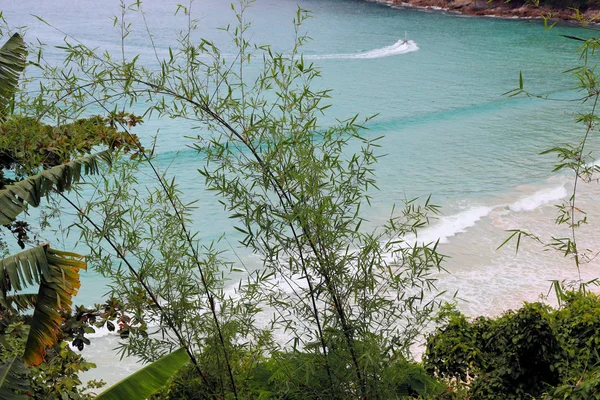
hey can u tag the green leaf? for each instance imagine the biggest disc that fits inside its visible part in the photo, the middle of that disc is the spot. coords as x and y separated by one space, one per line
148 380
521 80
57 275
12 63
19 302
33 189
573 38
12 379
54 294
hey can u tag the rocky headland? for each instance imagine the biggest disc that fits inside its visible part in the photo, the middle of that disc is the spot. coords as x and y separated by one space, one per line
503 9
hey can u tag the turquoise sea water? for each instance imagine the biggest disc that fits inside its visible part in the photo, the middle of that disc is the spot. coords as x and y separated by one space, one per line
449 130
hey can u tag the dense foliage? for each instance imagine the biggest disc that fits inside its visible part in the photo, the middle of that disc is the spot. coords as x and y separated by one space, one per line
27 144
535 352
57 375
297 375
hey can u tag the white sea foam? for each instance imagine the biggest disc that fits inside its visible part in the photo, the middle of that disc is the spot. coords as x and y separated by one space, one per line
446 227
450 225
539 198
100 332
400 47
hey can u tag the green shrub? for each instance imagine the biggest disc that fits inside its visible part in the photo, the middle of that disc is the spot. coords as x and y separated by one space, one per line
298 375
536 351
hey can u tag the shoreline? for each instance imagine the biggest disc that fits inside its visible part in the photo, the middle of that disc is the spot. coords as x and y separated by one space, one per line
498 9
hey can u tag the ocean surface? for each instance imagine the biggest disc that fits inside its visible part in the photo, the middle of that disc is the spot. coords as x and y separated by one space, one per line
450 132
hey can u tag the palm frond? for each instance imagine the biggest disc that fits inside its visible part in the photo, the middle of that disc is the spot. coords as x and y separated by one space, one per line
147 380
33 189
12 63
57 275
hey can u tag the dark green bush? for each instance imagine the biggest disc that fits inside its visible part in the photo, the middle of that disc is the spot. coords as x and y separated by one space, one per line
536 351
58 374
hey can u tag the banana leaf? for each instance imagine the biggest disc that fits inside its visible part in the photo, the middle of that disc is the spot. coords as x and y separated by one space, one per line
147 380
12 63
13 198
56 274
13 380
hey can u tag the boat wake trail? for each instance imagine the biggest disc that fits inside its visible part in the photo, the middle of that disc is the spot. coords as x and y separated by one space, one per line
400 47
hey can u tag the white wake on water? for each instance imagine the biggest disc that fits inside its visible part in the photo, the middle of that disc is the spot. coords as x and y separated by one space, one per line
400 47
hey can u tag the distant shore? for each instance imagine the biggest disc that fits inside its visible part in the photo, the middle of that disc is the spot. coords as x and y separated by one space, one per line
498 8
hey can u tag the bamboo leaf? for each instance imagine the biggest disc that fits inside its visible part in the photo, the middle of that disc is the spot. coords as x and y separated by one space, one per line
573 38
521 80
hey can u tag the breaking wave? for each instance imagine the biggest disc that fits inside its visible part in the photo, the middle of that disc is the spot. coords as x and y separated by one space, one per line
539 198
